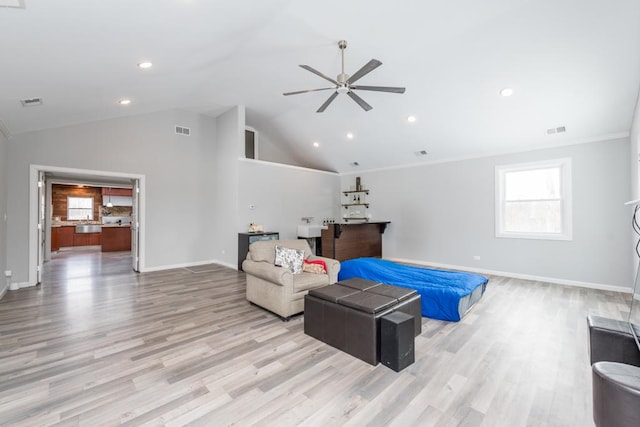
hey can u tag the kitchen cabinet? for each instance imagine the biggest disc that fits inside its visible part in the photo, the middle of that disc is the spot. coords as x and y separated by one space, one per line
117 191
65 235
86 239
116 238
55 239
245 239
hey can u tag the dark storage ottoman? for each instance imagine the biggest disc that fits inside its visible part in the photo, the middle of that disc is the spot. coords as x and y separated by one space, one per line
358 283
348 318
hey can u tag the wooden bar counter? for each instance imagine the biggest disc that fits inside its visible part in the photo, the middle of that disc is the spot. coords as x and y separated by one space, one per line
353 240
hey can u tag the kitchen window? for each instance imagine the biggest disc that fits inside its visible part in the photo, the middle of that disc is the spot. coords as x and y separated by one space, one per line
533 200
79 208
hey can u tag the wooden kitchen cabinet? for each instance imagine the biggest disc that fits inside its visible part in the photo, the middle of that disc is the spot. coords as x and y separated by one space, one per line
55 239
95 239
116 238
117 191
66 236
87 239
80 239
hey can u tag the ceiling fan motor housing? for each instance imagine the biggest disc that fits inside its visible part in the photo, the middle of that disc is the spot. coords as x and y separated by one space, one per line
343 80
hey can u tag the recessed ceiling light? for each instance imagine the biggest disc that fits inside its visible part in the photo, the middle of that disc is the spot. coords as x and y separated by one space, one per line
316 144
145 64
411 119
124 102
507 91
350 135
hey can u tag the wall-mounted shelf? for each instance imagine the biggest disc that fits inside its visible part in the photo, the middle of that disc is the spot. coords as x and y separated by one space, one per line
355 191
355 205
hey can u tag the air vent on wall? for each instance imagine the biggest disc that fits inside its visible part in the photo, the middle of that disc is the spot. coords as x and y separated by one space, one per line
31 102
559 129
180 130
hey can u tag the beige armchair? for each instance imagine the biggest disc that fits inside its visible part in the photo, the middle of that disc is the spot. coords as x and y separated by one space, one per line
276 288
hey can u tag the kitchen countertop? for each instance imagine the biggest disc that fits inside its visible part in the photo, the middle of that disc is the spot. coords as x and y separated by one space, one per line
74 223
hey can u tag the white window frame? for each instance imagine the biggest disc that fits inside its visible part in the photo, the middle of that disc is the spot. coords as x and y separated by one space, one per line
564 165
89 210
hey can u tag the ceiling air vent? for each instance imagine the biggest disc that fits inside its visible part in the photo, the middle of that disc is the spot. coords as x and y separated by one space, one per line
31 102
420 153
560 129
180 130
355 164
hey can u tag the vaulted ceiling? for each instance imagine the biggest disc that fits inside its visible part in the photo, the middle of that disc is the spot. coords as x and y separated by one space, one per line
571 63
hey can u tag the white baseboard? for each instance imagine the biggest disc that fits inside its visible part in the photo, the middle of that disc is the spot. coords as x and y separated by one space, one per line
3 291
20 285
187 264
575 283
226 264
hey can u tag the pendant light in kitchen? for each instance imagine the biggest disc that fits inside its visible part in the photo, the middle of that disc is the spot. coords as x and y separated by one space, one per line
109 204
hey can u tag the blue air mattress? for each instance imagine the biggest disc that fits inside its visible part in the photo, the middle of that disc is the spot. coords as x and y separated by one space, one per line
446 295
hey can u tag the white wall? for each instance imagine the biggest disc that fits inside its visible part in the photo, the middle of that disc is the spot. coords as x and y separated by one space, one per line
283 194
179 182
3 210
230 139
635 153
271 151
444 214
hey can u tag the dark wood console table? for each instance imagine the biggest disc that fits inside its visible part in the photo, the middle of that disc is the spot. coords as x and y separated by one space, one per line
354 240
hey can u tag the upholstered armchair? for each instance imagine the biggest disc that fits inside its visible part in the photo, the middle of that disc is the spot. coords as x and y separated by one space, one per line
276 288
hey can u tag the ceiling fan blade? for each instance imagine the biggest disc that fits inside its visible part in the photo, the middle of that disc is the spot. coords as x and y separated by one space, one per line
307 91
380 88
327 102
368 67
318 73
360 101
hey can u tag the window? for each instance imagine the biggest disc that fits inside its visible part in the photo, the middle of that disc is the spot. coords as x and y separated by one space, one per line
80 208
250 143
533 200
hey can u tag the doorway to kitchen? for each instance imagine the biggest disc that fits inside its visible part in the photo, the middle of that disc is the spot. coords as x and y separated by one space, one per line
53 227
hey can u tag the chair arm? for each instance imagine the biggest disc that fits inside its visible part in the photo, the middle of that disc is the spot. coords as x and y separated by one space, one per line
333 267
278 275
616 394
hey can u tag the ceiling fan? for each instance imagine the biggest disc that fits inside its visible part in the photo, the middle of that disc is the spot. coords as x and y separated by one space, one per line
344 83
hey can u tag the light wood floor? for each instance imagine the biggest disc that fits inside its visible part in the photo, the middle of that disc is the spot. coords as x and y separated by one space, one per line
97 344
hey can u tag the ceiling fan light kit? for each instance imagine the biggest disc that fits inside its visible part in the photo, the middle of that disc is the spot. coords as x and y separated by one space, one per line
344 83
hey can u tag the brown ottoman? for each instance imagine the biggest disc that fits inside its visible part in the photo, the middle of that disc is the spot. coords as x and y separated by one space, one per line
349 319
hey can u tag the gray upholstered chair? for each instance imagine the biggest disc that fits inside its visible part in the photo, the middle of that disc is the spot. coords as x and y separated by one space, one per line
615 362
277 289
